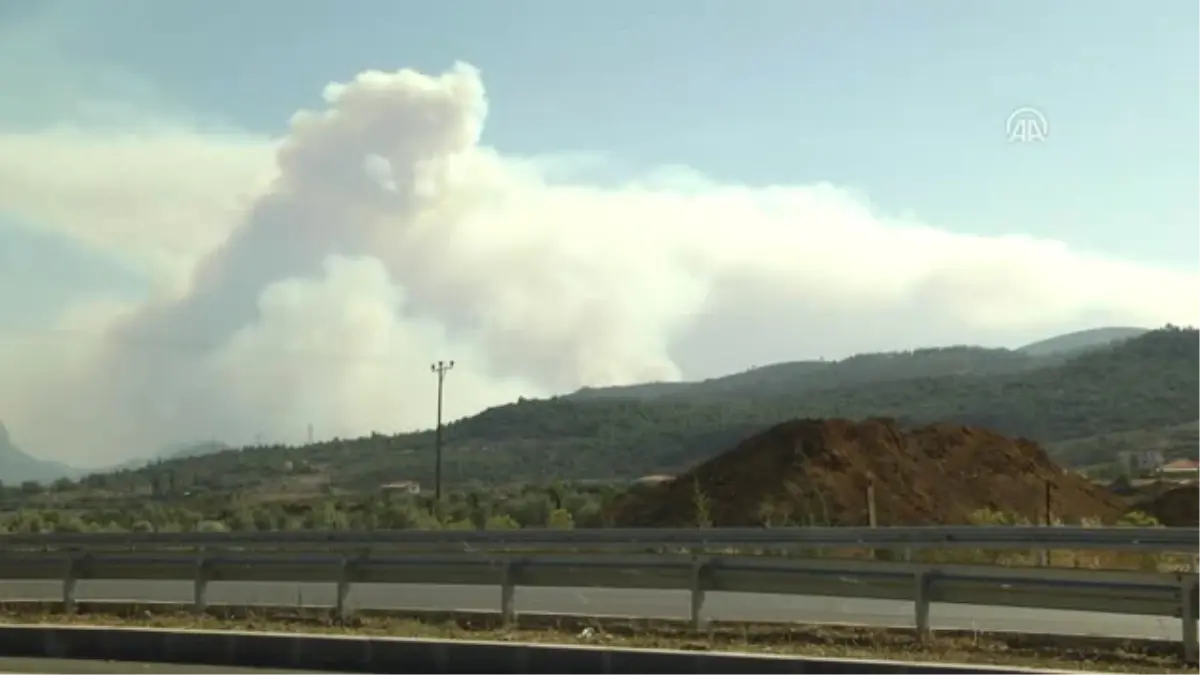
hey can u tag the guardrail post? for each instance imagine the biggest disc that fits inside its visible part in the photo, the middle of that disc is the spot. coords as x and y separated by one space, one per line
921 605
508 592
1188 600
345 577
700 572
70 579
200 585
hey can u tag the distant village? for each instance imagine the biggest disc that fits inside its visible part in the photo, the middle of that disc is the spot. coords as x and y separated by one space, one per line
1153 465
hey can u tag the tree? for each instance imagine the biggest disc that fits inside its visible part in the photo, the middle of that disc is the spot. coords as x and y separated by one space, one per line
560 519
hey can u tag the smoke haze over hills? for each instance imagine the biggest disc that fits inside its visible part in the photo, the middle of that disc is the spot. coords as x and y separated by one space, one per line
312 277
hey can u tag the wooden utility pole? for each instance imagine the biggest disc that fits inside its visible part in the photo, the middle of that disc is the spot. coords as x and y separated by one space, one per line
440 368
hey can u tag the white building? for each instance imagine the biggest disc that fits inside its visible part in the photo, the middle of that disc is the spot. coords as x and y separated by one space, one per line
411 487
1139 462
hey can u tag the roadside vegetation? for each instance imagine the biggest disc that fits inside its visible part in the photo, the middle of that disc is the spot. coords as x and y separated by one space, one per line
558 506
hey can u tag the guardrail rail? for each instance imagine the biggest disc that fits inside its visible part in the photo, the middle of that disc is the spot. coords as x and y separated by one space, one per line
1135 593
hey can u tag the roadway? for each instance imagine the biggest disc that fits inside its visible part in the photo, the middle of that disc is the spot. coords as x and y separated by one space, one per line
617 603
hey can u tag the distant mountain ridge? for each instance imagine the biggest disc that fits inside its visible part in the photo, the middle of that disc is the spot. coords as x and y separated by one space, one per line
1073 400
17 466
176 451
1073 343
797 376
1085 405
192 449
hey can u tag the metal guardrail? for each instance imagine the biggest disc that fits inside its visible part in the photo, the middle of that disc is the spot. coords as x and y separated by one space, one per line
1136 593
1142 539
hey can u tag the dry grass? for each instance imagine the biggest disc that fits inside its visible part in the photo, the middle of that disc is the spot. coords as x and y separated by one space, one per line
1092 560
1047 652
1068 559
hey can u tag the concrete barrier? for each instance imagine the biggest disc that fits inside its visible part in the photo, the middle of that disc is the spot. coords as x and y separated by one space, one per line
354 654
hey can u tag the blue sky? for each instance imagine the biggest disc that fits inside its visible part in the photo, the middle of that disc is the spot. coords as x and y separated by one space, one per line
124 109
904 101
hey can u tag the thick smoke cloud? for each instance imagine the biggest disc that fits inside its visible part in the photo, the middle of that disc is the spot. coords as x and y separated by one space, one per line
312 278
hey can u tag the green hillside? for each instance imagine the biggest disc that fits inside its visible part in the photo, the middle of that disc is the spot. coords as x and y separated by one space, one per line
1080 340
798 376
1175 441
802 376
1148 382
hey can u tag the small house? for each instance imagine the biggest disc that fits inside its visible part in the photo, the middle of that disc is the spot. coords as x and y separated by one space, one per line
410 487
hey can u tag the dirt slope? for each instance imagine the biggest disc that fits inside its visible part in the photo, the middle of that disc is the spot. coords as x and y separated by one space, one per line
817 472
1177 507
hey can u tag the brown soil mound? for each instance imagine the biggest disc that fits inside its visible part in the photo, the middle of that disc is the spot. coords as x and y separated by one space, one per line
1177 507
817 472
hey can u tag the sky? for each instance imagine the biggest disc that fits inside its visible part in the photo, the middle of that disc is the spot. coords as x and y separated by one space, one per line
233 225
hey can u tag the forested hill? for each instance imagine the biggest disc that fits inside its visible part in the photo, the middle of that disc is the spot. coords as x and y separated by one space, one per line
1146 382
1080 340
799 376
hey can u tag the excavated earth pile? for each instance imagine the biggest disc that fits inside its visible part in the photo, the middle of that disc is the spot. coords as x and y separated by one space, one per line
1177 507
817 472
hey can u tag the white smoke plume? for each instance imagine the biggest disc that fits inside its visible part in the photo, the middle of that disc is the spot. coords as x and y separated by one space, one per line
313 278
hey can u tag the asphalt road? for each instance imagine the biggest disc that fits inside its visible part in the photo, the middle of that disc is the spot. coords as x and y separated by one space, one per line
613 602
80 666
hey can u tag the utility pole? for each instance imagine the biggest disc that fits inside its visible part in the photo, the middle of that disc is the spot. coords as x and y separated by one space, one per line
440 368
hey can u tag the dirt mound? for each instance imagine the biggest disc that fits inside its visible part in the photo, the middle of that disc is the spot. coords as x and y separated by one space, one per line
817 472
1177 507
1140 489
